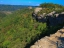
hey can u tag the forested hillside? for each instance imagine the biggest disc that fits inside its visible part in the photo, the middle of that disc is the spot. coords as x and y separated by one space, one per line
20 30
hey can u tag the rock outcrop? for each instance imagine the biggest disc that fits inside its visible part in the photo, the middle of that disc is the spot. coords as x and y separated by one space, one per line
54 18
53 41
38 9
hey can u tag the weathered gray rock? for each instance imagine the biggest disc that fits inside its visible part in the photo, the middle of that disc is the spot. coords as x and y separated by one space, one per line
51 14
56 15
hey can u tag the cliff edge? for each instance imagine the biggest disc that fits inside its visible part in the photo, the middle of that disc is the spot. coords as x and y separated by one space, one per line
53 41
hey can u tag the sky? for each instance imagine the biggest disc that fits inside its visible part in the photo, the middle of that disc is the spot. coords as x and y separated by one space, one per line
30 2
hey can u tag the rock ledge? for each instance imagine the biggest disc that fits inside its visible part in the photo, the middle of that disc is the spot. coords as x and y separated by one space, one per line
54 41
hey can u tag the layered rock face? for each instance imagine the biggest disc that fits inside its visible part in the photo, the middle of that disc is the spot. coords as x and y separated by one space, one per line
53 41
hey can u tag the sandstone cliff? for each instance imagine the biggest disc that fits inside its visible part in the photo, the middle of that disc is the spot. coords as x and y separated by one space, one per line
53 41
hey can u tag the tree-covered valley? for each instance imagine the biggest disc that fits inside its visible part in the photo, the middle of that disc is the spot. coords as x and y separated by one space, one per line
20 30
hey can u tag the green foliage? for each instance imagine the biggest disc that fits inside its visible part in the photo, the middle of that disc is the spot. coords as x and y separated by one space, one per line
50 5
60 10
18 29
2 15
6 43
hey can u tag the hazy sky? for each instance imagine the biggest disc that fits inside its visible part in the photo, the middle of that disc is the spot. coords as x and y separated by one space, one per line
30 2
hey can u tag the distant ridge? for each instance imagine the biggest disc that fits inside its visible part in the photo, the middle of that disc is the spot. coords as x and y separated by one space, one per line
4 7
